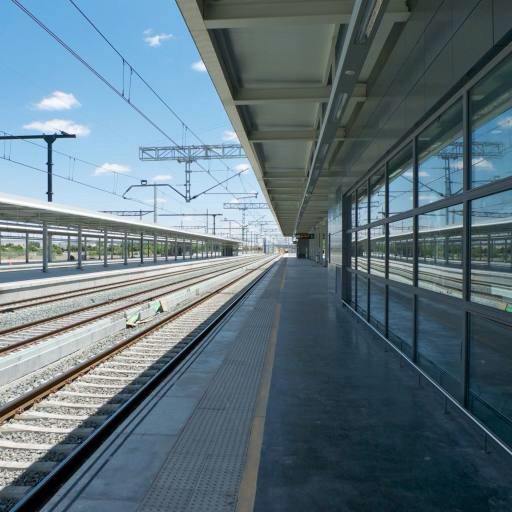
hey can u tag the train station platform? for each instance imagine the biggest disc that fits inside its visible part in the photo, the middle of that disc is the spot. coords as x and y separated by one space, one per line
292 405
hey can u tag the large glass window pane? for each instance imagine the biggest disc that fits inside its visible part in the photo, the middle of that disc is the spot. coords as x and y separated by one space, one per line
377 251
491 250
490 385
362 250
440 161
400 319
440 250
377 304
491 114
440 344
353 249
362 294
400 250
362 206
400 182
353 289
353 209
377 196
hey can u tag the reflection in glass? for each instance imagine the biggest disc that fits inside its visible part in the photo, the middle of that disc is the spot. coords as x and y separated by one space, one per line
491 114
400 182
440 250
440 162
362 294
439 350
378 251
490 386
401 251
377 304
353 250
353 290
362 206
377 196
353 209
491 250
400 319
362 250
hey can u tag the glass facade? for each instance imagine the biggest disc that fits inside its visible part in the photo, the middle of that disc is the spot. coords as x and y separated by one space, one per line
434 248
440 250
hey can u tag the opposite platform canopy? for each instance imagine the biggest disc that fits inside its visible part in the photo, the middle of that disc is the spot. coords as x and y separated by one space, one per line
28 210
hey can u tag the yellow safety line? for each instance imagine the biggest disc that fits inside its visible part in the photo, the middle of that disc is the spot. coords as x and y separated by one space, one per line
247 491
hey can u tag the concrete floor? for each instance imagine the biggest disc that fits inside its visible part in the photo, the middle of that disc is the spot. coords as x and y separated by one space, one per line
349 429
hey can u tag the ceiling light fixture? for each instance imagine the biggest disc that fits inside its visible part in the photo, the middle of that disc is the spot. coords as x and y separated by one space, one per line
371 12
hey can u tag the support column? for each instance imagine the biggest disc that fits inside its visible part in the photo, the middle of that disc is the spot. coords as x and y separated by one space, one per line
111 248
175 249
27 241
125 249
154 247
69 248
105 248
166 248
202 248
79 248
45 247
142 248
191 253
50 254
85 248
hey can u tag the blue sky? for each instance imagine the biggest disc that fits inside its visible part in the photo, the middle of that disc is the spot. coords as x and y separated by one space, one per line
43 86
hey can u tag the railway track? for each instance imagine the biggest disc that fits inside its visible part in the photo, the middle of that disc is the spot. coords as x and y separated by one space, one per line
9 307
49 432
14 338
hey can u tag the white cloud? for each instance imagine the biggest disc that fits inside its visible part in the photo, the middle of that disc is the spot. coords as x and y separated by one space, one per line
242 167
156 39
506 123
56 125
198 66
58 100
230 136
108 168
423 174
234 200
483 163
159 200
162 177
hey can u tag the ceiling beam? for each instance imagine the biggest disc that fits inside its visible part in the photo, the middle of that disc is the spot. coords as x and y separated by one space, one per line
289 135
265 12
263 95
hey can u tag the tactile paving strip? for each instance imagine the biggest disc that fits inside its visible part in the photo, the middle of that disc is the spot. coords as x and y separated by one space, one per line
204 468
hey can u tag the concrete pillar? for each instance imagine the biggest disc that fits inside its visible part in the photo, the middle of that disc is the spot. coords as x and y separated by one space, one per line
175 249
79 248
105 248
50 252
202 248
85 248
141 248
45 247
27 253
69 248
166 248
125 249
111 248
154 249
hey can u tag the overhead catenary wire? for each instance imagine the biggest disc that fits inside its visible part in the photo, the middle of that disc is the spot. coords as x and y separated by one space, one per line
112 87
108 83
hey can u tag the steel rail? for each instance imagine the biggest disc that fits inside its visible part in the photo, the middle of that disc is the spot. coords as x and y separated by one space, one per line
47 487
189 281
9 307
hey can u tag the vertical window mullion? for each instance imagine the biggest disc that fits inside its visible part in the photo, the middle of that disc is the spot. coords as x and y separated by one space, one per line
466 247
414 248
